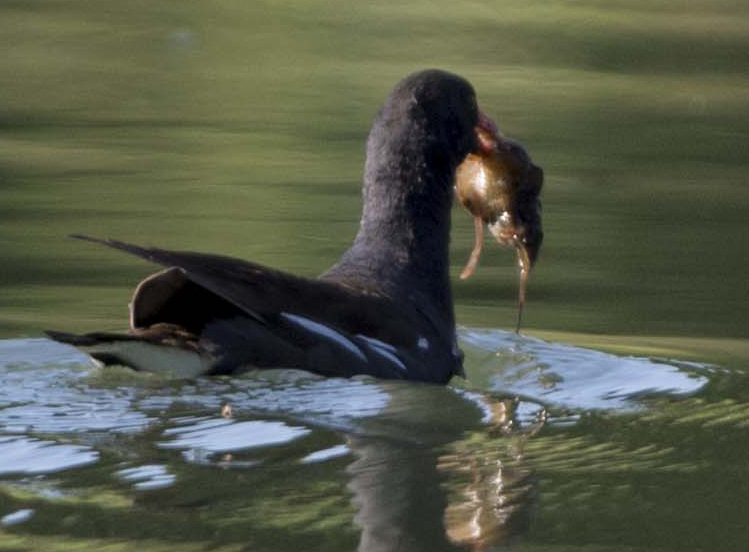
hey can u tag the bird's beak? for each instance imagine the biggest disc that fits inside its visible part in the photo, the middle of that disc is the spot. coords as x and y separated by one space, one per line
487 134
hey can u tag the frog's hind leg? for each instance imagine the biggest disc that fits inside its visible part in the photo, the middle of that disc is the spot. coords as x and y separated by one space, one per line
478 244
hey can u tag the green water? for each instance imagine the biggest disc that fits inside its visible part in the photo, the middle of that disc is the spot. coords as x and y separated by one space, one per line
238 128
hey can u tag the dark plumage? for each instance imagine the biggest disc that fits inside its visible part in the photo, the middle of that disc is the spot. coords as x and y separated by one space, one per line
384 309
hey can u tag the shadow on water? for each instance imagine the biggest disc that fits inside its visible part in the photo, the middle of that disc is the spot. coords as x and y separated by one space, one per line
233 461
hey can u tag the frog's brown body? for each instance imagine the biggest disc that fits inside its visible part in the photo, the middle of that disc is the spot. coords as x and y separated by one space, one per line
483 185
500 187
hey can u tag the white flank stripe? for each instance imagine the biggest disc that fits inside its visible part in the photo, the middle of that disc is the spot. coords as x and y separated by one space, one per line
326 332
383 349
377 343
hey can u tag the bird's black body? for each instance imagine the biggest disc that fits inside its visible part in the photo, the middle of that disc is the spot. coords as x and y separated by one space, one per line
385 309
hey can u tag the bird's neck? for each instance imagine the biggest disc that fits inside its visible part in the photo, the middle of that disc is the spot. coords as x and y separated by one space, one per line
402 245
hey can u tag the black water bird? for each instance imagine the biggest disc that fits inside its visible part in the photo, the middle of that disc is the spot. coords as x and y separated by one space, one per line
384 309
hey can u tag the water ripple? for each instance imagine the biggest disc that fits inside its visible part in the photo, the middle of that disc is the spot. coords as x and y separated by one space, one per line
572 377
22 455
218 435
45 391
147 477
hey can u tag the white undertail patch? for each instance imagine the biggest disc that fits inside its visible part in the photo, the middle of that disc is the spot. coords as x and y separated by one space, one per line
149 357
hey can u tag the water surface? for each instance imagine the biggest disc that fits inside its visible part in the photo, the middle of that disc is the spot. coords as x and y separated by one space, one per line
514 454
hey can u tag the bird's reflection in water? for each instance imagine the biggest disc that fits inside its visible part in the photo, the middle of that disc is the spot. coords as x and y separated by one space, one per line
445 488
490 488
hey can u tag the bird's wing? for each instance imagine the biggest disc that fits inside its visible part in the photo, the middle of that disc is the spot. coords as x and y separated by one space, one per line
329 322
